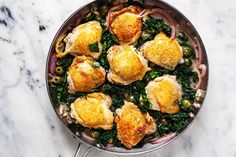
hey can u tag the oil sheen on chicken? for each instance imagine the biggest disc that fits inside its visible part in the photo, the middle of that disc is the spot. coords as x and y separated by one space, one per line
83 77
126 65
163 92
163 51
133 125
126 24
93 111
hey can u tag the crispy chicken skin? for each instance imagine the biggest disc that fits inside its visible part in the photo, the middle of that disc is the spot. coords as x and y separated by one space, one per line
83 77
126 66
93 111
126 24
163 51
133 125
163 92
77 42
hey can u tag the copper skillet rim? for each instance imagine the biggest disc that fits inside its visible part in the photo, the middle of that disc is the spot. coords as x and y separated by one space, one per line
109 151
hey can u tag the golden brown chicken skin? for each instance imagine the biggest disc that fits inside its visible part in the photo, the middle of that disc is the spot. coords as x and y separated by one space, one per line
163 92
82 37
126 24
126 65
163 51
93 111
133 125
83 76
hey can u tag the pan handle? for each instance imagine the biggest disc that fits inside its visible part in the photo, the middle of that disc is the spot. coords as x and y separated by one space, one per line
79 153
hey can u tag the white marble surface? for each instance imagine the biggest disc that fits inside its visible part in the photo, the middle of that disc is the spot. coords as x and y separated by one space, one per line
28 124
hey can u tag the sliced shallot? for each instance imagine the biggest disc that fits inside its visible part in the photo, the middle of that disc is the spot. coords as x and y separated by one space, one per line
199 79
109 15
194 46
52 63
162 139
199 51
202 68
88 137
143 12
110 145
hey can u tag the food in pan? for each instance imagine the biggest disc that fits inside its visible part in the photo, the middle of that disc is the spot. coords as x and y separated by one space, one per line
163 51
85 39
133 125
126 76
84 75
125 24
93 111
126 65
163 92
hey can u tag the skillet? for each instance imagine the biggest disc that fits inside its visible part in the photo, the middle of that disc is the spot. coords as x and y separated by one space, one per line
73 21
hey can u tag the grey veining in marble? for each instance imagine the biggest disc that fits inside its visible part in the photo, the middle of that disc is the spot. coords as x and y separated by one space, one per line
28 124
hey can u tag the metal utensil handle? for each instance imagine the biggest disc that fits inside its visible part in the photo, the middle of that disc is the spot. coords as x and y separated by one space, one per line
78 152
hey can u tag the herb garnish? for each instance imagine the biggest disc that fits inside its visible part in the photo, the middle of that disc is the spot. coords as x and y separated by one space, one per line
155 26
94 47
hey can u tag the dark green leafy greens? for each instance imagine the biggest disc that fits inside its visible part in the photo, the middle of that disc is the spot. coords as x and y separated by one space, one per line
59 91
183 41
106 136
107 41
76 127
166 123
155 26
145 100
152 27
185 76
94 47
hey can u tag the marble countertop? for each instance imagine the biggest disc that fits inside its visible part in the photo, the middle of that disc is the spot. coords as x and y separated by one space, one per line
28 124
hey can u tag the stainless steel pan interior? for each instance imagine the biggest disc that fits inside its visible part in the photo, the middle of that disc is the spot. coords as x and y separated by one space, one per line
179 18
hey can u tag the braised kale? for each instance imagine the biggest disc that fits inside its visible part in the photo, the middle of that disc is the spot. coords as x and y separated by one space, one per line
183 41
155 26
59 91
76 127
166 123
106 136
108 40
